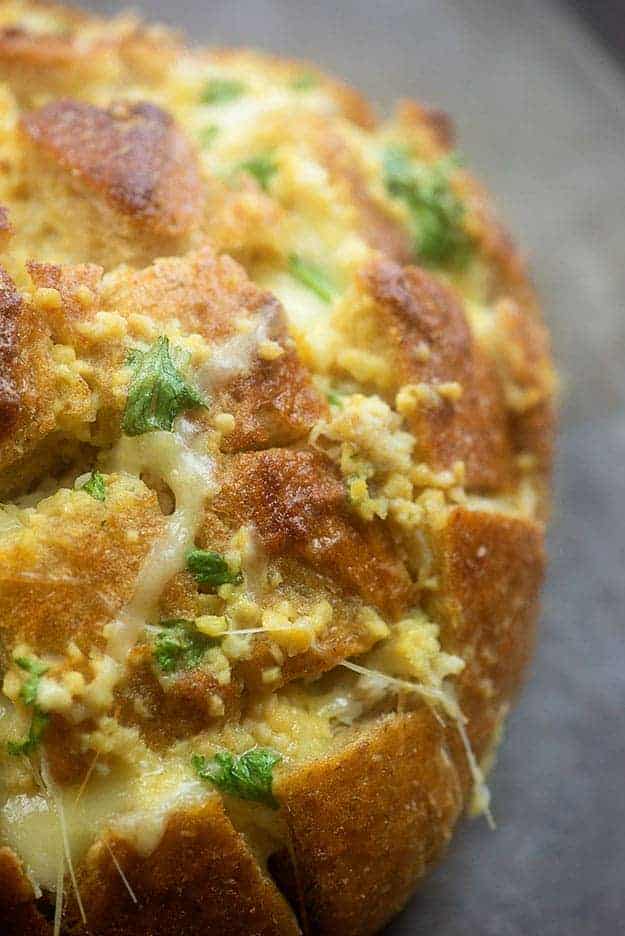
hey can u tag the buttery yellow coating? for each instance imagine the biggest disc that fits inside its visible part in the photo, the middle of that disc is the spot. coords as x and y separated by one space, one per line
361 432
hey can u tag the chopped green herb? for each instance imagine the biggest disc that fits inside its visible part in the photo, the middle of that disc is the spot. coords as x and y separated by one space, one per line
436 211
28 695
95 486
262 167
248 776
304 82
158 392
30 687
311 276
207 134
210 568
35 733
180 646
222 90
334 399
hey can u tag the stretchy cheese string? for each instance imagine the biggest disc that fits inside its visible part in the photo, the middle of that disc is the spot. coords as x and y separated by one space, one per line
125 880
58 907
451 707
83 785
54 794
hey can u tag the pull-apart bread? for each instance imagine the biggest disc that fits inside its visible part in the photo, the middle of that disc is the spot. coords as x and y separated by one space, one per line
276 417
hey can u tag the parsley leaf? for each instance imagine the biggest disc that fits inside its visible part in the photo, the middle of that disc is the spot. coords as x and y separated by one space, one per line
179 646
210 568
262 167
436 211
222 90
304 82
95 486
311 276
28 695
333 398
30 687
158 392
38 725
248 776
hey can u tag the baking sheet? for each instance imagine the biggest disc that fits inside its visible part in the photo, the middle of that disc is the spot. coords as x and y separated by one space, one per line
540 109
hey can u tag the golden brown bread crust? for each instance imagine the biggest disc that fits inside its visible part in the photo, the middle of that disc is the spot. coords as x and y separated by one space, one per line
427 334
43 585
362 822
200 856
405 773
298 507
13 882
490 569
10 307
273 401
201 878
131 154
126 169
18 911
525 356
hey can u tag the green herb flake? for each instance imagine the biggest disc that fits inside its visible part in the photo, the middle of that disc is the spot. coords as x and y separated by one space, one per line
210 568
158 392
207 135
436 212
38 725
28 695
334 399
30 687
95 486
247 776
262 167
222 90
311 276
179 646
304 82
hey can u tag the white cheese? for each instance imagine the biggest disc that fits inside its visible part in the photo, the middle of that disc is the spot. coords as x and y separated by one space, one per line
177 458
133 801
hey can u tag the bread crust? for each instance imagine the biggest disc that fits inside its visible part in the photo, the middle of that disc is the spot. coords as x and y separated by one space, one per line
130 154
415 314
10 308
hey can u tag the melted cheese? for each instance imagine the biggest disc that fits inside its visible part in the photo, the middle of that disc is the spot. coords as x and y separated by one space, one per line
134 801
177 458
233 357
308 315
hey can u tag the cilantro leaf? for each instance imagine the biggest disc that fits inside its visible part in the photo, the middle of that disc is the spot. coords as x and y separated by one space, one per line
95 486
222 90
158 392
262 167
436 211
210 568
248 776
311 276
38 725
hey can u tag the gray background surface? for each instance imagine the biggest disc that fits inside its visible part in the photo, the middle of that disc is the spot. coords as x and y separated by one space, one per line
540 108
